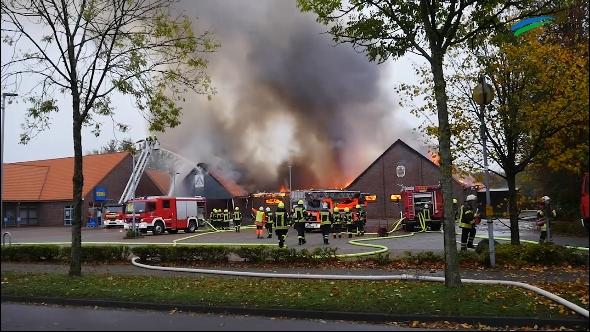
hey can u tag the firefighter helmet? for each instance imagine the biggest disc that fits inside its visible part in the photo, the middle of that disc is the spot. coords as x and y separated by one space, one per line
281 205
346 209
545 199
225 210
267 209
237 208
261 209
454 201
336 209
358 206
471 198
300 202
426 206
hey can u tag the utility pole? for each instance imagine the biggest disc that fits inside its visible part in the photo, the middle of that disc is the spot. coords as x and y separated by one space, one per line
4 95
483 94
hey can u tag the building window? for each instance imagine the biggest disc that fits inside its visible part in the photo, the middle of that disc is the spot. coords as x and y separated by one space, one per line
28 215
166 204
400 171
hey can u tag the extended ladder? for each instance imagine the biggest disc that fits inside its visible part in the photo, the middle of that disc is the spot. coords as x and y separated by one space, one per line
147 146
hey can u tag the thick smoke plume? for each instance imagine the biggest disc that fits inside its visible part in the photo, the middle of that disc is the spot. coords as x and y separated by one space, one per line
285 95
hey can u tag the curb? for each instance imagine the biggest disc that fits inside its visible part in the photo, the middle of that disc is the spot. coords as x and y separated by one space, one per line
308 314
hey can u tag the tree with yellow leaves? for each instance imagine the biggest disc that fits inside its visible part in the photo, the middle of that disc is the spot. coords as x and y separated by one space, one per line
541 90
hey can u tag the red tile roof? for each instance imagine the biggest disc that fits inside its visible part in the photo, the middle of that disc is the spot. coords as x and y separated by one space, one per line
233 188
51 179
161 180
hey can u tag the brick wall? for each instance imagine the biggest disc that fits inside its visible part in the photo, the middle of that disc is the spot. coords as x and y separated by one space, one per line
381 179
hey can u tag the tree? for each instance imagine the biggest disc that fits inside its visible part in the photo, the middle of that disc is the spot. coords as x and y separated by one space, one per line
541 94
125 145
93 49
392 28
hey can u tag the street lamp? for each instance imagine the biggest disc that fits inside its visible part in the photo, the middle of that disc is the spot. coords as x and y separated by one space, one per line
174 184
4 95
483 94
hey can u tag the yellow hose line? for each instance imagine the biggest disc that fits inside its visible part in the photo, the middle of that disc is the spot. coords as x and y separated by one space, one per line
382 248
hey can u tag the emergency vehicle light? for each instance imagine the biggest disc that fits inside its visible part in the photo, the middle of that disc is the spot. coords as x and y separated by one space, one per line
395 198
371 198
273 201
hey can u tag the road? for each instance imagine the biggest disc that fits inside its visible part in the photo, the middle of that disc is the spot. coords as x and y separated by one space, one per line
397 246
34 317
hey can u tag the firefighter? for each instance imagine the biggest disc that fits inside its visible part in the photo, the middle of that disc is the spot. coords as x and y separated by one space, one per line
226 218
350 226
326 219
337 224
299 216
281 220
362 219
467 216
269 222
544 214
237 219
212 217
259 222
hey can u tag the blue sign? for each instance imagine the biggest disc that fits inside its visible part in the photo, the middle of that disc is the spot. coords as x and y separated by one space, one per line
100 194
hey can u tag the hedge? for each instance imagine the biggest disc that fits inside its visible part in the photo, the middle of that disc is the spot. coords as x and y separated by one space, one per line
506 254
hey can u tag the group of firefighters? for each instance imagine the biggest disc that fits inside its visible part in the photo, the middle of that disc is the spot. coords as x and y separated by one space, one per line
468 217
338 221
331 221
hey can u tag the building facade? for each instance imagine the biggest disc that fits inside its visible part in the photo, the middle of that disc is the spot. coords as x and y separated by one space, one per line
400 165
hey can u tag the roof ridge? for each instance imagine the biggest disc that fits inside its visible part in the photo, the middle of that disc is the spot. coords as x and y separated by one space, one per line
71 157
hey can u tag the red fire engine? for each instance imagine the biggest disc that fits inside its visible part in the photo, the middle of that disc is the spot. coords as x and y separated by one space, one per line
160 213
114 215
422 208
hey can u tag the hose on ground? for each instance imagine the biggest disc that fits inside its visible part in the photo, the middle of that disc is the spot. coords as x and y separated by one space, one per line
404 276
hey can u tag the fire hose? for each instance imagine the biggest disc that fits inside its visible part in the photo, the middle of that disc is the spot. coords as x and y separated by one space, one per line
412 277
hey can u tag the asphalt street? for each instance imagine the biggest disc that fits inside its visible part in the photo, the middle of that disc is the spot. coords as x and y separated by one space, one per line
39 317
397 246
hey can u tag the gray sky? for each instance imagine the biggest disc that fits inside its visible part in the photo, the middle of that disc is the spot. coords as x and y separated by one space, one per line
57 141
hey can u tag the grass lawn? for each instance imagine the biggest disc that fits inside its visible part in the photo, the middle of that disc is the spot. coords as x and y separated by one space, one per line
389 297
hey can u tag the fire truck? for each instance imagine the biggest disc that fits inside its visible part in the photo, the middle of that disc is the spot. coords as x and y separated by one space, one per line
314 200
160 214
585 202
422 207
114 215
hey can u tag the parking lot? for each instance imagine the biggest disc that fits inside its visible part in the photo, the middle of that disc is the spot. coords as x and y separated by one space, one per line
419 242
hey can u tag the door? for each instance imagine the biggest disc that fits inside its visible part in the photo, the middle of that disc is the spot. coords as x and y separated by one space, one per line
68 211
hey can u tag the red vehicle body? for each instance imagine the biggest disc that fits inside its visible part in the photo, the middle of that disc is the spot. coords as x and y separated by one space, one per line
114 215
414 200
585 201
160 213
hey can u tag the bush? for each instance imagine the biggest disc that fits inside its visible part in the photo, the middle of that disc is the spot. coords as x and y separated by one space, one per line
212 254
256 254
132 234
55 253
428 257
545 254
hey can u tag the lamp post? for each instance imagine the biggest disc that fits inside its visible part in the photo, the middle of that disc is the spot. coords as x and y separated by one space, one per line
483 94
4 95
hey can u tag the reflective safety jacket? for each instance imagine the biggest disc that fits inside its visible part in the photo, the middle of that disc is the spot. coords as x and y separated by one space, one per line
280 219
542 220
237 215
362 215
226 216
269 217
348 218
338 217
259 218
299 214
325 217
466 217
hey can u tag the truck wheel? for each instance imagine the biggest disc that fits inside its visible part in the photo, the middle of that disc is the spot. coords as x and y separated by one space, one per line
192 226
158 228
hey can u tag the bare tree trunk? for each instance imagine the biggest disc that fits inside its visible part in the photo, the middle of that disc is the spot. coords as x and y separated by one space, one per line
513 212
452 276
78 181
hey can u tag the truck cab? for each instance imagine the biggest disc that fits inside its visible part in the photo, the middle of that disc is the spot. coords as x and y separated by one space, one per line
160 214
422 208
114 216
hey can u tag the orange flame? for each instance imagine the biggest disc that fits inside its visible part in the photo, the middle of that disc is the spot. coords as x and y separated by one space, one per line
434 157
283 189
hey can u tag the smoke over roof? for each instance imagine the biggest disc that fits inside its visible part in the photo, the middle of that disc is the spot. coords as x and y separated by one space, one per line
285 95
